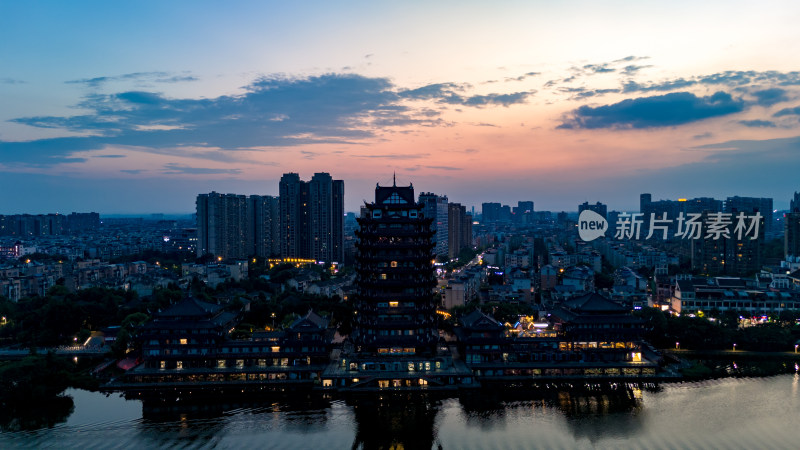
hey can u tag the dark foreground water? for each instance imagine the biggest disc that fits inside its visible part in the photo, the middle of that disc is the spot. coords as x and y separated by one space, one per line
733 413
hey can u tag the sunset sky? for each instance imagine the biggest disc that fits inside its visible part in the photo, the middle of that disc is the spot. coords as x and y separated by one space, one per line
137 107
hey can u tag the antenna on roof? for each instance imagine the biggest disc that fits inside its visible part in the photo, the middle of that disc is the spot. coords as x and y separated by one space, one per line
394 179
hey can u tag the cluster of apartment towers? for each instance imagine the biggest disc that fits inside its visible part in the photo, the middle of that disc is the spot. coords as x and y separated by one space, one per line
306 221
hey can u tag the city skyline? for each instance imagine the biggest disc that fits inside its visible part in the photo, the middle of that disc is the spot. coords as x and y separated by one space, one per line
107 107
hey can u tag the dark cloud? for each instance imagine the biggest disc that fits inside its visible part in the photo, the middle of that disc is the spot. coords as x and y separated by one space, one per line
11 81
523 76
175 169
599 68
757 123
581 93
132 171
788 112
433 91
631 59
108 156
729 78
491 99
658 111
157 77
632 69
453 94
274 111
771 96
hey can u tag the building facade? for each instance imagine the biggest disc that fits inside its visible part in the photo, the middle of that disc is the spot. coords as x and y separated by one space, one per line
312 217
395 278
436 208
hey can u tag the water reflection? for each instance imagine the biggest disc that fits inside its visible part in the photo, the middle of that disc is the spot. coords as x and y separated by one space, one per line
203 424
598 415
723 413
35 416
395 421
591 411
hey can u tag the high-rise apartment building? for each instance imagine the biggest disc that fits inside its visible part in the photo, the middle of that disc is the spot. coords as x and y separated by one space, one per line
791 228
723 253
263 225
236 226
523 212
794 203
222 225
750 205
791 236
598 207
460 229
435 207
312 217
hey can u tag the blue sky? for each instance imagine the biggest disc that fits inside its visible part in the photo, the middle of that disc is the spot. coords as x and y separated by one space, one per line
138 107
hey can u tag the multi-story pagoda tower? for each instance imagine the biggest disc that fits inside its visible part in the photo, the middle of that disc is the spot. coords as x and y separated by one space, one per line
396 312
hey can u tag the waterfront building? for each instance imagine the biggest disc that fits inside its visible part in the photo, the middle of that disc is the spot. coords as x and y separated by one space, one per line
395 341
188 347
585 337
395 303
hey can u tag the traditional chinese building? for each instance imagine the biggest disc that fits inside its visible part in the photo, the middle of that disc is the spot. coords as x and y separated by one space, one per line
188 347
396 313
395 342
587 336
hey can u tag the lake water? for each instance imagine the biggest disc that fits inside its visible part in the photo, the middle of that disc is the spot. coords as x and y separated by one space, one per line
732 413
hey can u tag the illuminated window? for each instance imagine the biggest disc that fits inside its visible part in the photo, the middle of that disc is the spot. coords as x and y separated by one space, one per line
394 264
184 341
276 349
383 276
163 365
220 364
394 304
179 365
239 363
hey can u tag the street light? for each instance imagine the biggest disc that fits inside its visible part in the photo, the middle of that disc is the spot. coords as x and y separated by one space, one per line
677 345
795 345
734 347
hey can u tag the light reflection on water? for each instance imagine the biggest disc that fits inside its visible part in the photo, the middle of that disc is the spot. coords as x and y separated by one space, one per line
725 413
